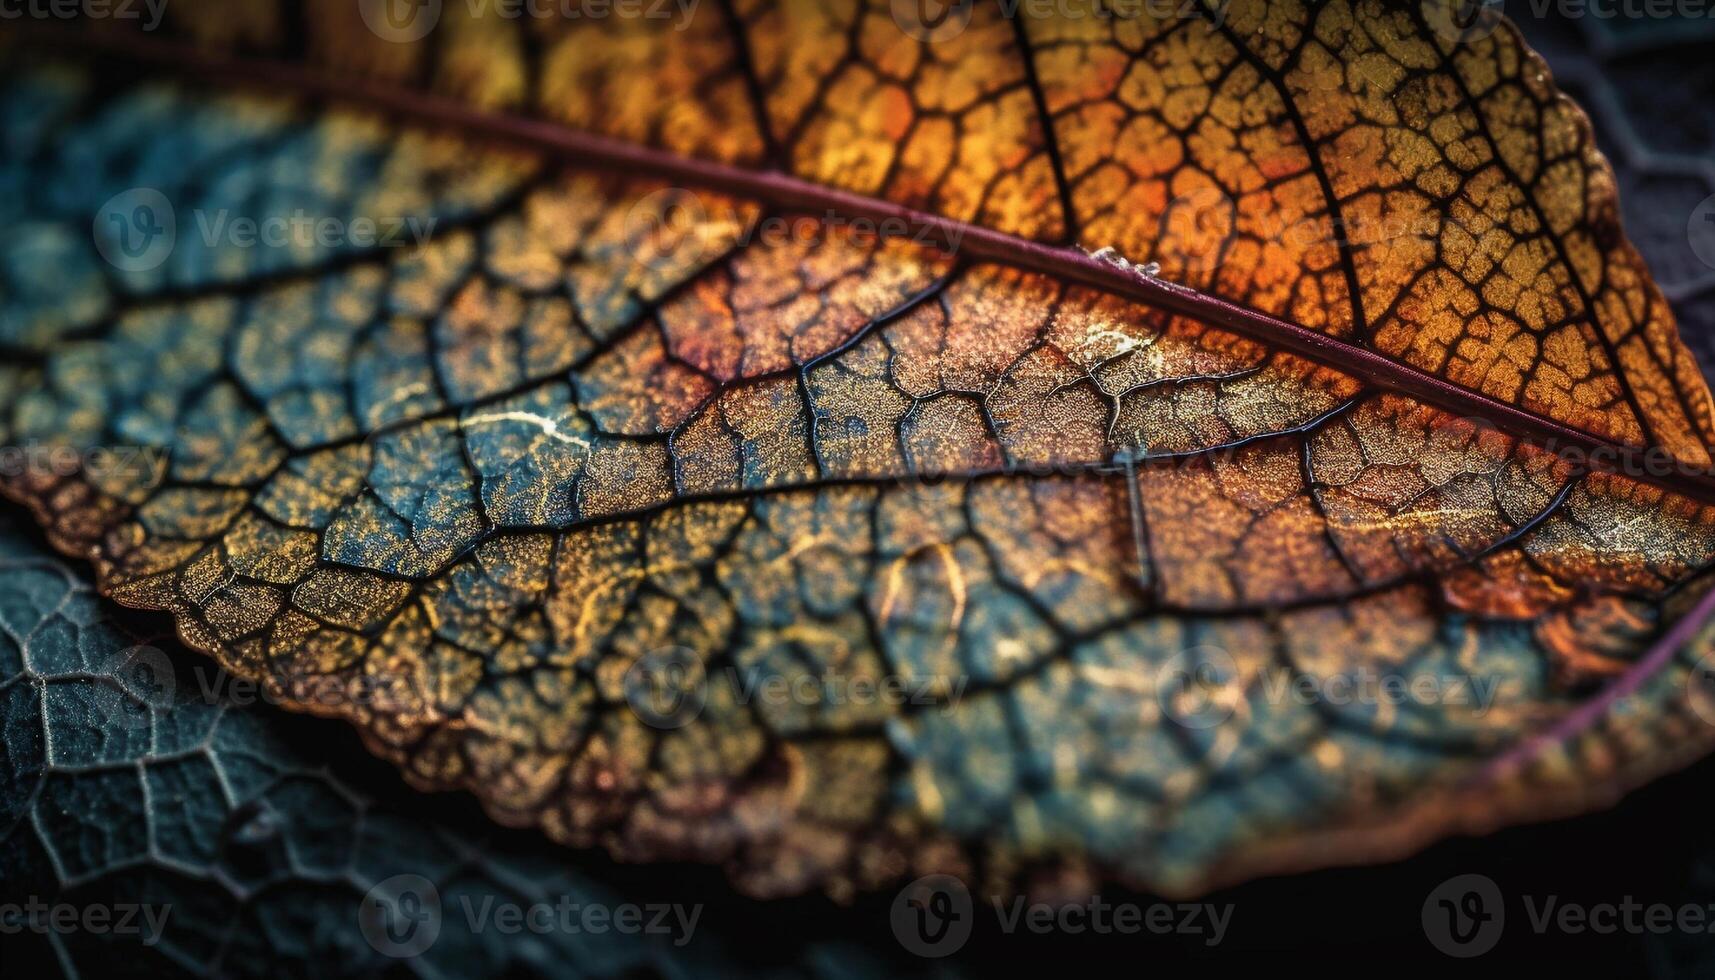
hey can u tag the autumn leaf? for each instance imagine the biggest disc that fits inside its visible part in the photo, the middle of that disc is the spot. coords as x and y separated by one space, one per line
1043 449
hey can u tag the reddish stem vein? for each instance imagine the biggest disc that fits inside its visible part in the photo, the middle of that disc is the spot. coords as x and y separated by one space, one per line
1589 713
792 194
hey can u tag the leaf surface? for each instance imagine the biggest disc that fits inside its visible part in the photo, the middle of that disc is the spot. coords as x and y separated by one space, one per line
139 776
487 483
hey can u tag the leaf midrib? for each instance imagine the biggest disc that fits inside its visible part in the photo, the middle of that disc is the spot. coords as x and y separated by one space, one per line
967 241
793 194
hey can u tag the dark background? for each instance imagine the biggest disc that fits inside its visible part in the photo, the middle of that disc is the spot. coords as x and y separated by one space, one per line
1649 86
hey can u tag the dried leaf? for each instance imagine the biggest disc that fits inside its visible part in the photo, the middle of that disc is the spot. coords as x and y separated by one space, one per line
1167 590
